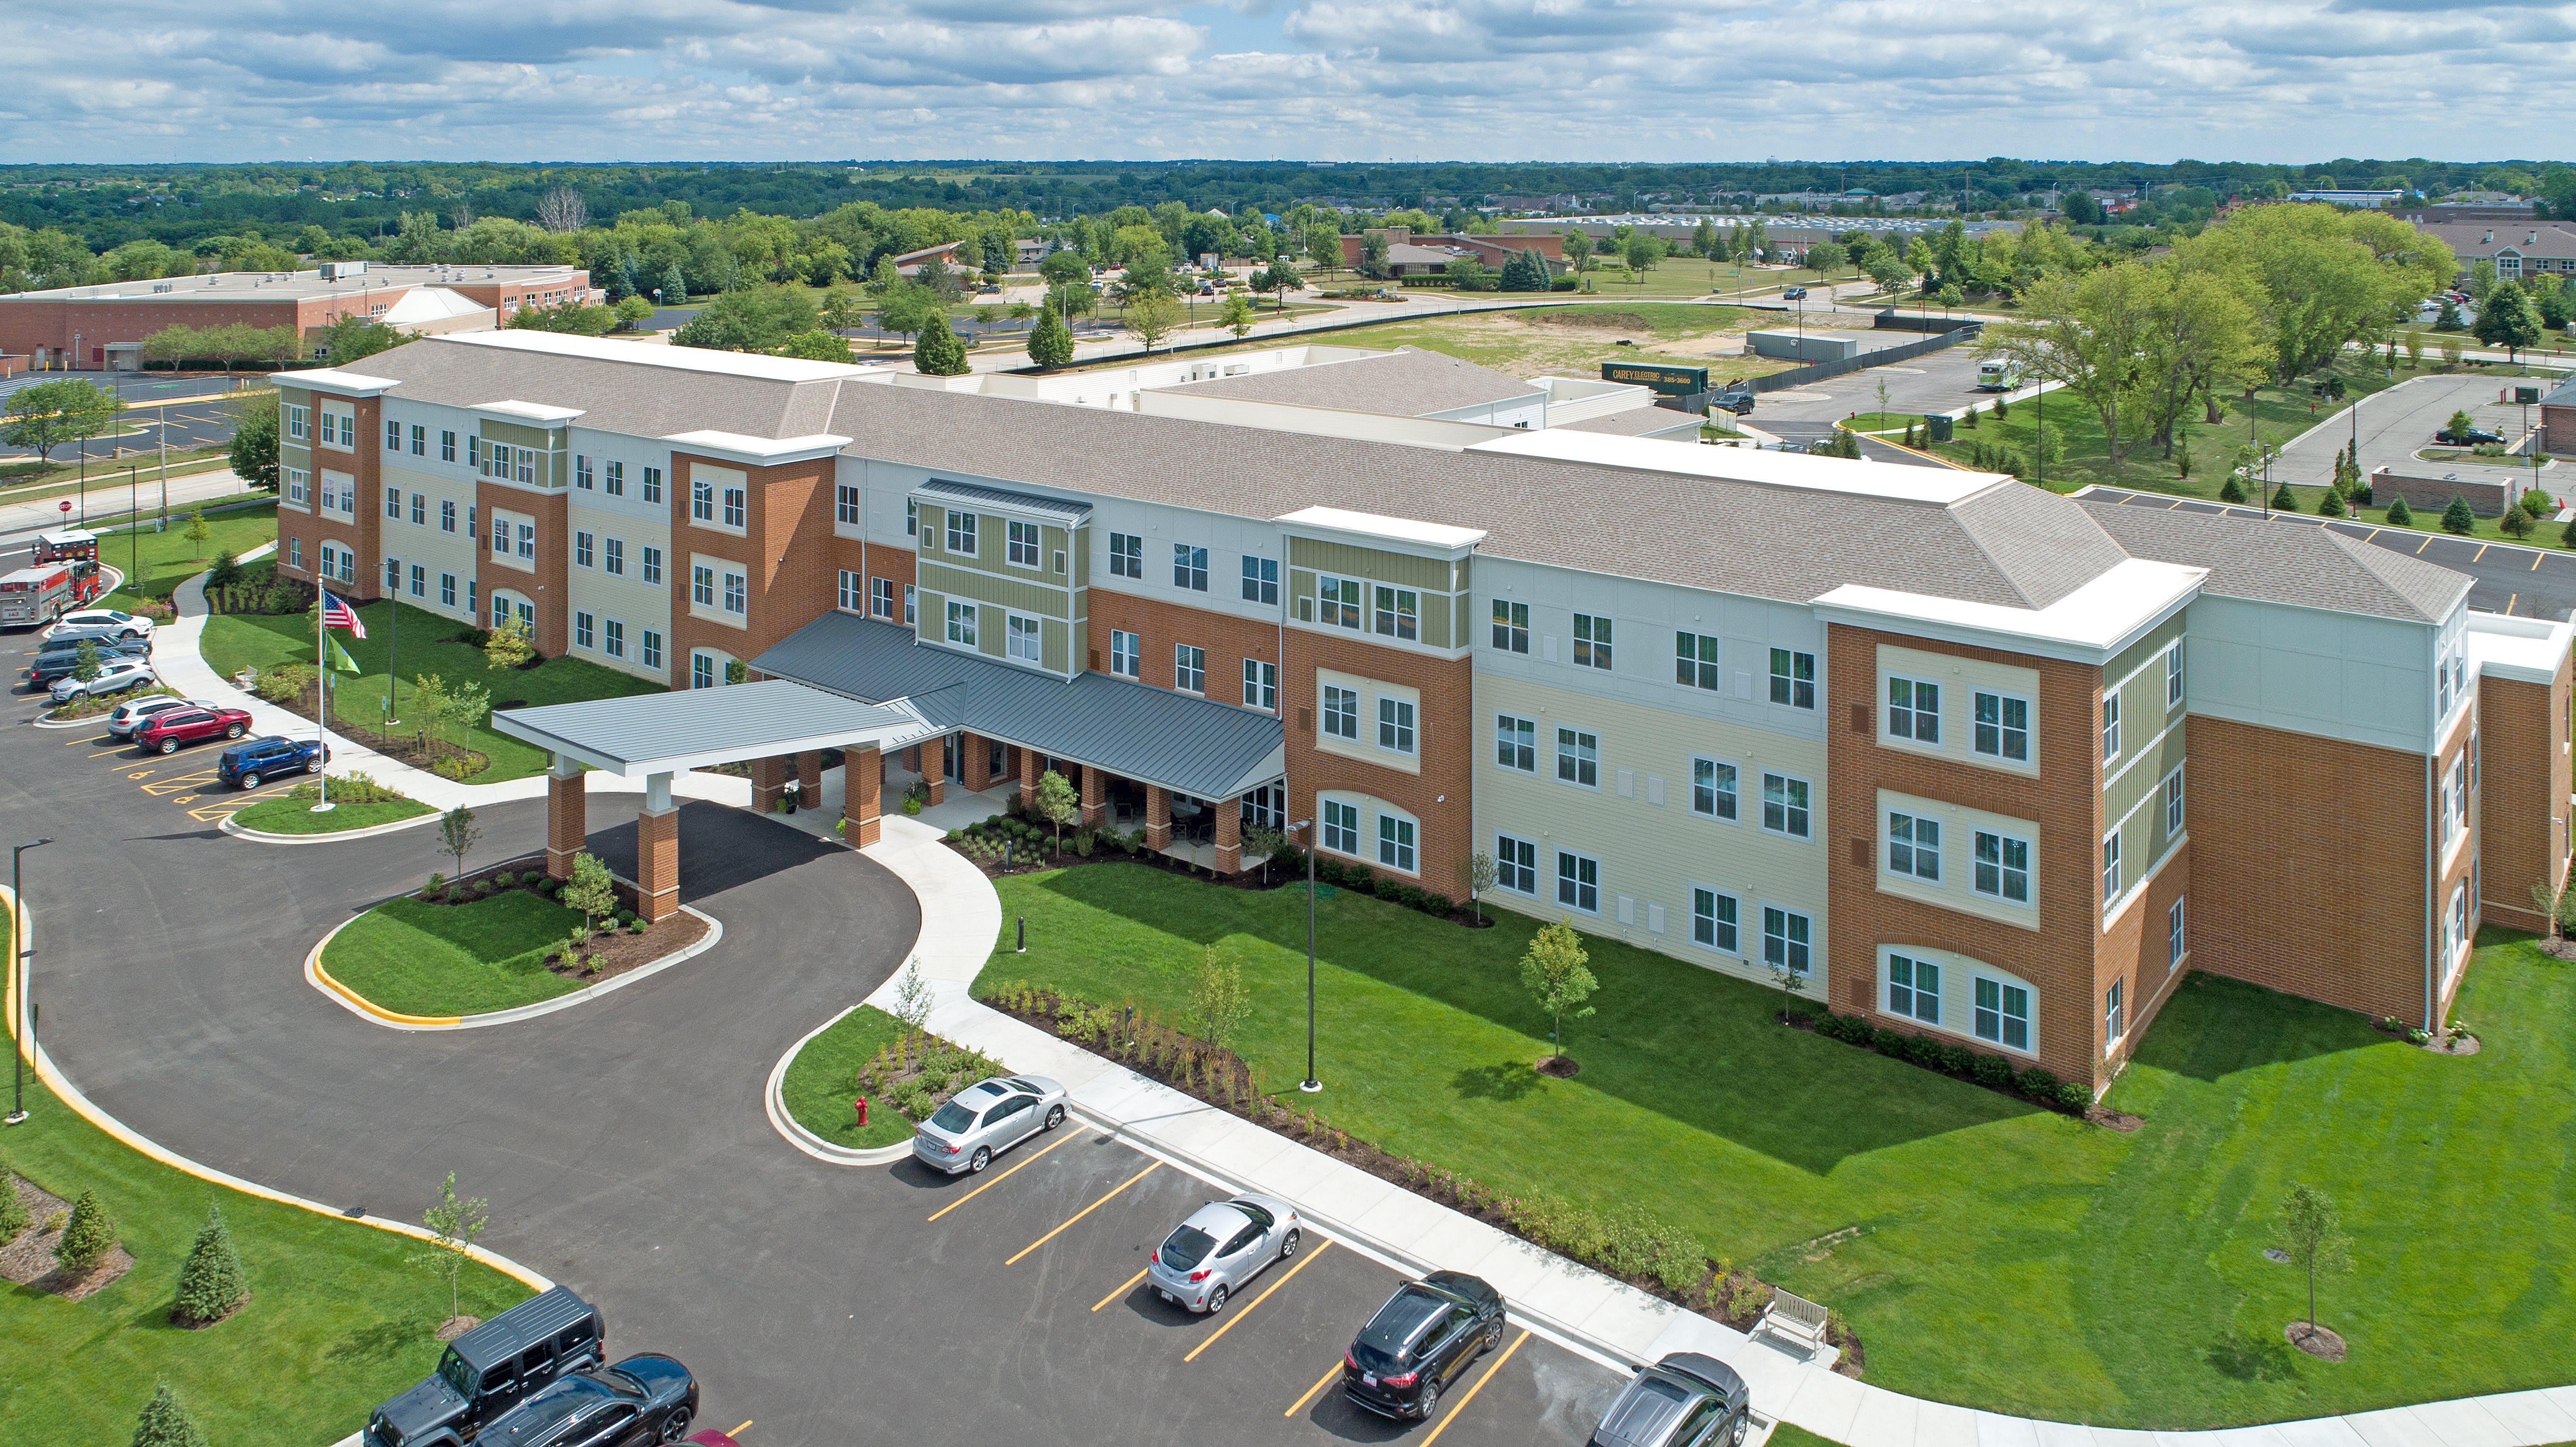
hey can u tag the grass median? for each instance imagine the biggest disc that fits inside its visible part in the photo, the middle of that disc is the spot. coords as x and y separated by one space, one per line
2117 1279
417 958
156 563
823 1080
294 815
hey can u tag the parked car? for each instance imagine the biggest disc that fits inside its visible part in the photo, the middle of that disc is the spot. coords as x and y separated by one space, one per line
1220 1248
69 640
115 675
130 625
1738 403
163 733
135 710
59 663
246 763
489 1370
643 1399
2470 438
1419 1342
1685 1400
986 1119
1794 293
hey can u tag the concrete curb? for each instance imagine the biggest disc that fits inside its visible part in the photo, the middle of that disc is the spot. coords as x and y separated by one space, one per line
262 836
774 1101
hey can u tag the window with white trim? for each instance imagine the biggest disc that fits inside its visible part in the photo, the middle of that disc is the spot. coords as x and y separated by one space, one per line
1260 684
393 503
298 421
583 475
1022 544
419 440
613 641
1023 638
881 597
1713 789
2002 727
2110 726
1785 805
393 435
527 540
1592 638
582 550
2002 867
703 672
2173 675
1126 555
299 484
1339 602
1714 921
1260 579
1189 668
1516 865
652 484
295 552
911 606
702 585
2173 802
1516 743
612 481
1126 654
702 508
446 446
1399 613
961 623
1793 678
1913 710
737 509
845 503
1395 842
419 581
420 509
1578 758
1342 712
2115 1013
1394 724
1913 988
612 557
1914 846
1695 661
737 593
1189 567
2002 1014
2174 939
447 590
1578 881
651 657
584 629
652 564
1342 827
2110 866
1788 938
853 592
447 515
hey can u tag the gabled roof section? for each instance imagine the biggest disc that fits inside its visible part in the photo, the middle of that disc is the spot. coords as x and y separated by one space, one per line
638 388
2296 563
1056 507
1406 382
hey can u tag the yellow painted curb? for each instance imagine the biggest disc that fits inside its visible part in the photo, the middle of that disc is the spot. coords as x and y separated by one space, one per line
313 967
81 1105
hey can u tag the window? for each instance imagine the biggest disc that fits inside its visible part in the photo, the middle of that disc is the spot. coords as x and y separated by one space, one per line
1023 545
1914 710
1914 846
583 630
1395 725
1260 579
2173 675
419 509
737 593
1515 865
1713 921
2003 1013
652 654
1793 678
614 641
2173 802
296 419
2110 725
652 564
845 503
1189 567
1189 668
1399 613
1342 712
853 595
1126 555
1695 661
1260 684
702 670
1784 805
961 623
1578 881
446 446
612 480
1341 827
961 532
881 597
349 568
652 484
2110 866
470 586
295 552
1338 601
1125 654
1059 562
1395 843
583 475
298 484
393 503
702 508
2114 1014
2454 808
1591 641
1914 988
527 540
446 515
1787 938
2174 944
582 550
1578 758
911 518
2003 727
447 590
419 581
2003 867
1516 743
702 585
911 606
612 557
331 428
1713 789
737 511
1023 639
419 440
393 435
1511 626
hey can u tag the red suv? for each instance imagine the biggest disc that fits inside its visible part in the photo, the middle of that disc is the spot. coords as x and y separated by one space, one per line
164 732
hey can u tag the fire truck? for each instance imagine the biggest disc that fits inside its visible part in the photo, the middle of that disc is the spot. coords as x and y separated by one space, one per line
32 597
67 546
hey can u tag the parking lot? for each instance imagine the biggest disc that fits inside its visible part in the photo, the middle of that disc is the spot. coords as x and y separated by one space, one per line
1941 381
2393 424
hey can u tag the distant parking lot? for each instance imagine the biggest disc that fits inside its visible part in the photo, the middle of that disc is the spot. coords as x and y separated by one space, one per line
184 411
2394 423
1939 381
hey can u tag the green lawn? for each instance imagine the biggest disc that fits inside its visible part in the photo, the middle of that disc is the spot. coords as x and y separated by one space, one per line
337 1320
296 816
823 1079
161 561
1989 1253
453 959
428 644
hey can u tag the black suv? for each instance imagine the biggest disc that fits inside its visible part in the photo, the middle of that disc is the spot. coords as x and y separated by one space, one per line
643 1399
2469 437
1737 402
1419 1342
491 1369
1685 1400
245 764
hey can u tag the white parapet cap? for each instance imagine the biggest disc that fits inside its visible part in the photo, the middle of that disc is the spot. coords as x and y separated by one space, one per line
757 451
332 379
530 414
2526 650
2088 625
1376 530
1896 481
645 354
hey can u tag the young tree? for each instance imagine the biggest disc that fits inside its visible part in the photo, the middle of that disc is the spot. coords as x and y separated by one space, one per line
2457 518
939 352
2232 490
353 336
1219 1003
2284 500
87 661
2311 1235
1640 251
2507 319
165 1423
907 308
1480 872
197 531
590 889
2399 514
913 999
1279 280
1050 342
1557 975
1237 315
2515 523
87 1237
1524 271
1057 804
508 645
1152 318
170 344
458 836
2331 504
674 288
453 1224
49 414
631 311
211 1282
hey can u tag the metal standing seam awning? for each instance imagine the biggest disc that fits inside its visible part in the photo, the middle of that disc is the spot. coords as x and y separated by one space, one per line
639 735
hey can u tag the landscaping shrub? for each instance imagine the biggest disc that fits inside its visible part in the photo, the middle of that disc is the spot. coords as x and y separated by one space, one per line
2037 1083
2457 518
1890 1042
2399 514
211 1283
2075 1095
1957 1059
1386 887
165 1423
1438 904
14 1217
1925 1051
625 917
87 1237
284 683
2232 490
1992 1070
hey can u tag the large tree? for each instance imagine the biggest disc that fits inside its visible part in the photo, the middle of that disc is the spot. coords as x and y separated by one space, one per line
49 414
2319 277
2089 335
1050 344
2507 319
939 352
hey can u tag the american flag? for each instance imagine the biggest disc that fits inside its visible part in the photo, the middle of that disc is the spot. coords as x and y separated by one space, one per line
336 614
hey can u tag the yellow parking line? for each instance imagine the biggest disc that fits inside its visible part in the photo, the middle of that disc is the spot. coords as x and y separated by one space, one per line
1478 1387
1321 1382
2535 561
738 1431
1085 1211
119 749
1123 1288
2428 542
2366 537
997 1180
1322 1244
2481 552
2177 502
2509 602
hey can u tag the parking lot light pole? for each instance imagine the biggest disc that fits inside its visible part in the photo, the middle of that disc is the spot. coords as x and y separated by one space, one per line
1310 1084
19 954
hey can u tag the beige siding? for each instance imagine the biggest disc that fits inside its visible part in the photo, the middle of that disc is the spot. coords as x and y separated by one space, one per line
986 587
1345 560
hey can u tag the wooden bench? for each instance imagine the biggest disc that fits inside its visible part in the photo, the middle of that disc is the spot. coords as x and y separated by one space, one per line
1794 1317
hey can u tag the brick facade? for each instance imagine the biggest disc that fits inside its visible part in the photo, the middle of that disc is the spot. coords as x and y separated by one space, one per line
787 550
547 588
1159 627
2523 787
1440 797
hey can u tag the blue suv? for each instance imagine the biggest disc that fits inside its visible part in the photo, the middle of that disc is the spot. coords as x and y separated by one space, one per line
245 764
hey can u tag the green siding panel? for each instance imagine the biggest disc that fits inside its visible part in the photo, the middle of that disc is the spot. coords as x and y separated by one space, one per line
986 587
1430 574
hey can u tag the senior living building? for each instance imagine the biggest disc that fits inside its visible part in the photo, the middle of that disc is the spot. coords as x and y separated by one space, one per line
1964 755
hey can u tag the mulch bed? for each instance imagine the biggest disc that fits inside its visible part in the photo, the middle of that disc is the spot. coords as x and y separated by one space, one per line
618 952
2321 1342
1257 877
29 1260
2448 1042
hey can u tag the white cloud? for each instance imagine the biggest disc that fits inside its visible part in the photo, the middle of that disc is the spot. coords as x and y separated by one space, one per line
1328 79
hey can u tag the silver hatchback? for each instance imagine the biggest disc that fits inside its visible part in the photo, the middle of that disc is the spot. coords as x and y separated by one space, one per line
986 1119
1220 1248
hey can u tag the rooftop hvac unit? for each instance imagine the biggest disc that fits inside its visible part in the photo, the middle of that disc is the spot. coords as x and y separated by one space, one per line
160 286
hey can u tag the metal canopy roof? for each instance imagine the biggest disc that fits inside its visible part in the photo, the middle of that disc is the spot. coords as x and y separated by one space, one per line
1194 746
657 733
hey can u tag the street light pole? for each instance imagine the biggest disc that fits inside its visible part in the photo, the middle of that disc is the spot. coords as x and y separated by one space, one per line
1310 1084
19 954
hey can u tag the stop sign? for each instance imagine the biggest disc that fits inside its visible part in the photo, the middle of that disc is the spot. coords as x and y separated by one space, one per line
64 505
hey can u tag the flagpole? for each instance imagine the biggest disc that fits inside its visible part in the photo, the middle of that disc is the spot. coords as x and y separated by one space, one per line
322 691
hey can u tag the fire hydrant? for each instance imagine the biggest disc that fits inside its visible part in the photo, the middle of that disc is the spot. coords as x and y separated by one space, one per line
862 1104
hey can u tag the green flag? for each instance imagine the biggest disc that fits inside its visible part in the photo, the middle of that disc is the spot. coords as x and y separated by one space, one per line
340 658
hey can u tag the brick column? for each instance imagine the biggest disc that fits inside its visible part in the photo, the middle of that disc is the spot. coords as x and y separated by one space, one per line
566 820
809 775
862 781
912 758
1095 795
1028 780
1158 817
934 768
978 762
657 851
1229 835
768 782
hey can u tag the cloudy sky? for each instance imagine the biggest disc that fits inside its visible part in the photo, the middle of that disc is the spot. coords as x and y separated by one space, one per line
2149 80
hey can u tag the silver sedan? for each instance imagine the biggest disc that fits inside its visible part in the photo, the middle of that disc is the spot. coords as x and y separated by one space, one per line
1220 1248
986 1119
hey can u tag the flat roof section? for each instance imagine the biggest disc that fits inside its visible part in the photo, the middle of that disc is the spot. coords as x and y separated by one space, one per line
1407 382
292 285
656 733
1939 485
646 354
